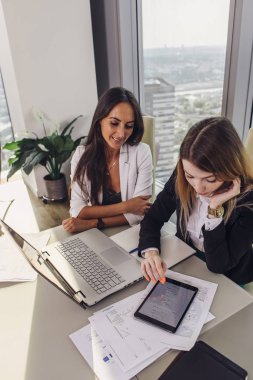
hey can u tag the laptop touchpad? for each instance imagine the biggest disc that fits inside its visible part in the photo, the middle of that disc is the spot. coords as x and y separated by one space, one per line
115 256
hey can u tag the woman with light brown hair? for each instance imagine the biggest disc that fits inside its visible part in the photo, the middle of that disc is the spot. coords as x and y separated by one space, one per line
212 192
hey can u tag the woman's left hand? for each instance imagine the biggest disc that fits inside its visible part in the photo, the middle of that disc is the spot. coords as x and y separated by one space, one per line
219 198
77 225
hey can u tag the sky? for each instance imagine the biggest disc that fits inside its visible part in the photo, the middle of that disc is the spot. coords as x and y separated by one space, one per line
175 23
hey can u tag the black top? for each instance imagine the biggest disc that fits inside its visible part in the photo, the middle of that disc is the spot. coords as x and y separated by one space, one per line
110 197
228 247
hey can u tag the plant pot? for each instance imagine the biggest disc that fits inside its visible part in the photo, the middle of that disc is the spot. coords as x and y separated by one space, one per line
56 189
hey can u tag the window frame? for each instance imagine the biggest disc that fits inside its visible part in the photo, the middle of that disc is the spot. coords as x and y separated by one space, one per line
238 88
238 77
9 78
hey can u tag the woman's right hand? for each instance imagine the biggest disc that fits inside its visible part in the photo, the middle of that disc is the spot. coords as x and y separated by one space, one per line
153 267
139 205
78 225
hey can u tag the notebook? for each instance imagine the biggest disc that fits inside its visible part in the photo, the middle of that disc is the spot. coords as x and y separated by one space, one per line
173 249
203 362
87 266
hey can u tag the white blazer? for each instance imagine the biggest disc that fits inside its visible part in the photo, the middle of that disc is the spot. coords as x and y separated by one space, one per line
135 170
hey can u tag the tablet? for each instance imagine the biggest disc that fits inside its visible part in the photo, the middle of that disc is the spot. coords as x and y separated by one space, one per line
166 304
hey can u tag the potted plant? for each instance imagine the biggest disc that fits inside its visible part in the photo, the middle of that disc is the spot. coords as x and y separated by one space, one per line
50 151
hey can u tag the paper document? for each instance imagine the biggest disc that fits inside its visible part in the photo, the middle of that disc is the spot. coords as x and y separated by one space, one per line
38 240
101 358
107 363
129 349
117 325
13 265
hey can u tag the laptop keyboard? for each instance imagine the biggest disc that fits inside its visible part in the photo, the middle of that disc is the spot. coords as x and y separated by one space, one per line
100 276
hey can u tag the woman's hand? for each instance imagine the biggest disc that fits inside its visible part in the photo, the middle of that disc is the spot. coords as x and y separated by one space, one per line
78 225
153 267
219 198
139 205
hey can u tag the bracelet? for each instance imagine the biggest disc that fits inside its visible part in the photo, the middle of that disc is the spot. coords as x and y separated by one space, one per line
100 224
217 212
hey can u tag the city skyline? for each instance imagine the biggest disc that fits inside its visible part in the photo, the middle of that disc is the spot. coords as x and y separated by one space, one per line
181 86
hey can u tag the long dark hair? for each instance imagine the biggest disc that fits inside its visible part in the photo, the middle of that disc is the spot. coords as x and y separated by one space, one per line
93 161
214 146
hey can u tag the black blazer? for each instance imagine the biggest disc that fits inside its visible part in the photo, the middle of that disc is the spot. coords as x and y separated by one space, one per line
228 248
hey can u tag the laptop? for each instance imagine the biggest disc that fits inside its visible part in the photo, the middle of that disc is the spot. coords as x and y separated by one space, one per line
87 266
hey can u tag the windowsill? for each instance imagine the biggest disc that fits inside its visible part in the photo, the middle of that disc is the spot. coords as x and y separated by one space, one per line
15 177
27 213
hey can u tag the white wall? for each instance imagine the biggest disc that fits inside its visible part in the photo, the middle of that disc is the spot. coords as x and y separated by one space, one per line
52 51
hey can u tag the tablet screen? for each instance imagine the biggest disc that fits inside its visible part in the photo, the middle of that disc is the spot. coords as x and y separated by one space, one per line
166 304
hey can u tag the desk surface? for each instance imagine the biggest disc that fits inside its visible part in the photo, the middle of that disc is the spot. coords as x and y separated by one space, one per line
233 338
37 320
28 213
229 300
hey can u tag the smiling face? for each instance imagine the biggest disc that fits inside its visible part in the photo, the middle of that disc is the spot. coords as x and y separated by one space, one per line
204 183
118 125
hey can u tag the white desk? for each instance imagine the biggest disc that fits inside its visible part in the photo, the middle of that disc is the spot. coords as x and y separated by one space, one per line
36 319
234 338
229 299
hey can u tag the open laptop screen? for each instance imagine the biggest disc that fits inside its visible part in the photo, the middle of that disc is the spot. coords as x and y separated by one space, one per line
38 263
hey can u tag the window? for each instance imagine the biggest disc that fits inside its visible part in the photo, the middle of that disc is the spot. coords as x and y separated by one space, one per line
11 115
184 60
184 52
6 133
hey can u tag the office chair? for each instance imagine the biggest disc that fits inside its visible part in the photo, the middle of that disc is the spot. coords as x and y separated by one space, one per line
249 149
249 143
149 138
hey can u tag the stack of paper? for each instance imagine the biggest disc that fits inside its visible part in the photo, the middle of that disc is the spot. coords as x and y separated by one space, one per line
118 346
13 265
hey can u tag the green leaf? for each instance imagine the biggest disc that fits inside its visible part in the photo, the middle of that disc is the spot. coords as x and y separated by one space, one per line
33 160
48 143
63 157
58 143
12 159
11 145
78 141
69 125
27 143
17 161
29 152
12 171
68 144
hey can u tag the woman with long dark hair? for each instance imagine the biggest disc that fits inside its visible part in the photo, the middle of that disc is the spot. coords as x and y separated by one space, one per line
212 192
111 174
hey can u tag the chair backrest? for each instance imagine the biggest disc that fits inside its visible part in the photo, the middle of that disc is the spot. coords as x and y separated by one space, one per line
249 143
149 138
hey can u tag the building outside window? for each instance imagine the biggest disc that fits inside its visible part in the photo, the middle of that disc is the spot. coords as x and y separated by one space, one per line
184 49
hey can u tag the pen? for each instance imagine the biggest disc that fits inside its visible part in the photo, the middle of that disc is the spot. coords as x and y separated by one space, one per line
133 250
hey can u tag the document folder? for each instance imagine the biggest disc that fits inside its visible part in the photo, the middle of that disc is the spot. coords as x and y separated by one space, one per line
203 362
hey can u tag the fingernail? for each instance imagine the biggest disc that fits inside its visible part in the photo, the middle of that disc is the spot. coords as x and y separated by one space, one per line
154 281
163 280
147 278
